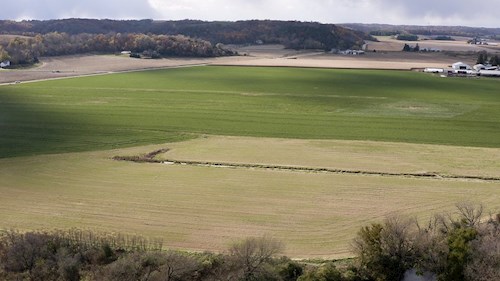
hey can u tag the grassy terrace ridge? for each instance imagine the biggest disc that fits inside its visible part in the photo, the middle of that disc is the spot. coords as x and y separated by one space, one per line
334 156
129 109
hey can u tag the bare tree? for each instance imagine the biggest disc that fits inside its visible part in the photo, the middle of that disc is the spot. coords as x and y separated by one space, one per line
470 213
178 266
484 261
252 254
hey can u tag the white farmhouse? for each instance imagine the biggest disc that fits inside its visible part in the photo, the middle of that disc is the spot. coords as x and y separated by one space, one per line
4 64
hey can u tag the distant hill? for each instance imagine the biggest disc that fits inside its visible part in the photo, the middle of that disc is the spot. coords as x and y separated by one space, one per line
387 29
292 34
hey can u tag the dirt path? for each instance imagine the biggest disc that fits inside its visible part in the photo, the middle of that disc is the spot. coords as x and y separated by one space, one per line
85 65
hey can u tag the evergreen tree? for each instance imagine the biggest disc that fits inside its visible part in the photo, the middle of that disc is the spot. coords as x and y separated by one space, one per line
482 58
495 60
3 54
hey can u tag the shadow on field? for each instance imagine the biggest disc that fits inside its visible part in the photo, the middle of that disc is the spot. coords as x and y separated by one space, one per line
28 128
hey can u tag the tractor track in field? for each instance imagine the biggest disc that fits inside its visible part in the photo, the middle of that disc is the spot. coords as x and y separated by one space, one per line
151 158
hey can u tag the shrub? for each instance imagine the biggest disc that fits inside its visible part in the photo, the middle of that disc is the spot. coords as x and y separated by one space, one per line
252 255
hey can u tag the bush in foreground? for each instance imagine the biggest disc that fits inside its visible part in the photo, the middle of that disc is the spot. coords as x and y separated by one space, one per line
464 246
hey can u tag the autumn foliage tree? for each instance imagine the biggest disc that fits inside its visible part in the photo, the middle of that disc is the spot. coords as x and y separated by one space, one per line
27 50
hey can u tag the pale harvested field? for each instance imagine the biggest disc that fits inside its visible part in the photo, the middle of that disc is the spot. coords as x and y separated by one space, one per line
389 61
264 55
81 65
68 66
388 58
205 208
386 43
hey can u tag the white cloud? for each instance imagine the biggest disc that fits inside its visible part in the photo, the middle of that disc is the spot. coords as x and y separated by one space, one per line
446 12
56 9
314 10
421 12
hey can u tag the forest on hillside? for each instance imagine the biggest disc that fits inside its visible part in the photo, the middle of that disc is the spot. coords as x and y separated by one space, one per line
154 39
26 50
292 34
387 29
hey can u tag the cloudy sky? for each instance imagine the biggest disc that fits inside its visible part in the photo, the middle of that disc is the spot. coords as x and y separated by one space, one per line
420 12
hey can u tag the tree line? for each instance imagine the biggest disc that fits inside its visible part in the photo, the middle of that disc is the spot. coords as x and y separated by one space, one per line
484 58
407 37
292 34
27 50
387 30
408 48
449 247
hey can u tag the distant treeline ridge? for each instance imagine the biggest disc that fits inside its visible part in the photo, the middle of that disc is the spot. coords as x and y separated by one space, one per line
292 34
387 30
27 50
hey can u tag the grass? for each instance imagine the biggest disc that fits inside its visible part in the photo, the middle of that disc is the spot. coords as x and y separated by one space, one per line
317 113
123 110
205 208
382 157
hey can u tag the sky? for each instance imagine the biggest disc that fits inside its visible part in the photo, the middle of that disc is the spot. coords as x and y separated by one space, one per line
479 13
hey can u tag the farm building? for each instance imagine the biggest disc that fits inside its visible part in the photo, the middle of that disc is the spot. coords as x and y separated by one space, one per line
464 70
490 73
433 70
4 64
461 66
479 67
352 52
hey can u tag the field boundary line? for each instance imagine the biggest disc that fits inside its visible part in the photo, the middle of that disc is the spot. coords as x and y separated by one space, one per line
150 158
314 67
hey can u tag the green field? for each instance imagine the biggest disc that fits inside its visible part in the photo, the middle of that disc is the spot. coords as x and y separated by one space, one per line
110 111
57 140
